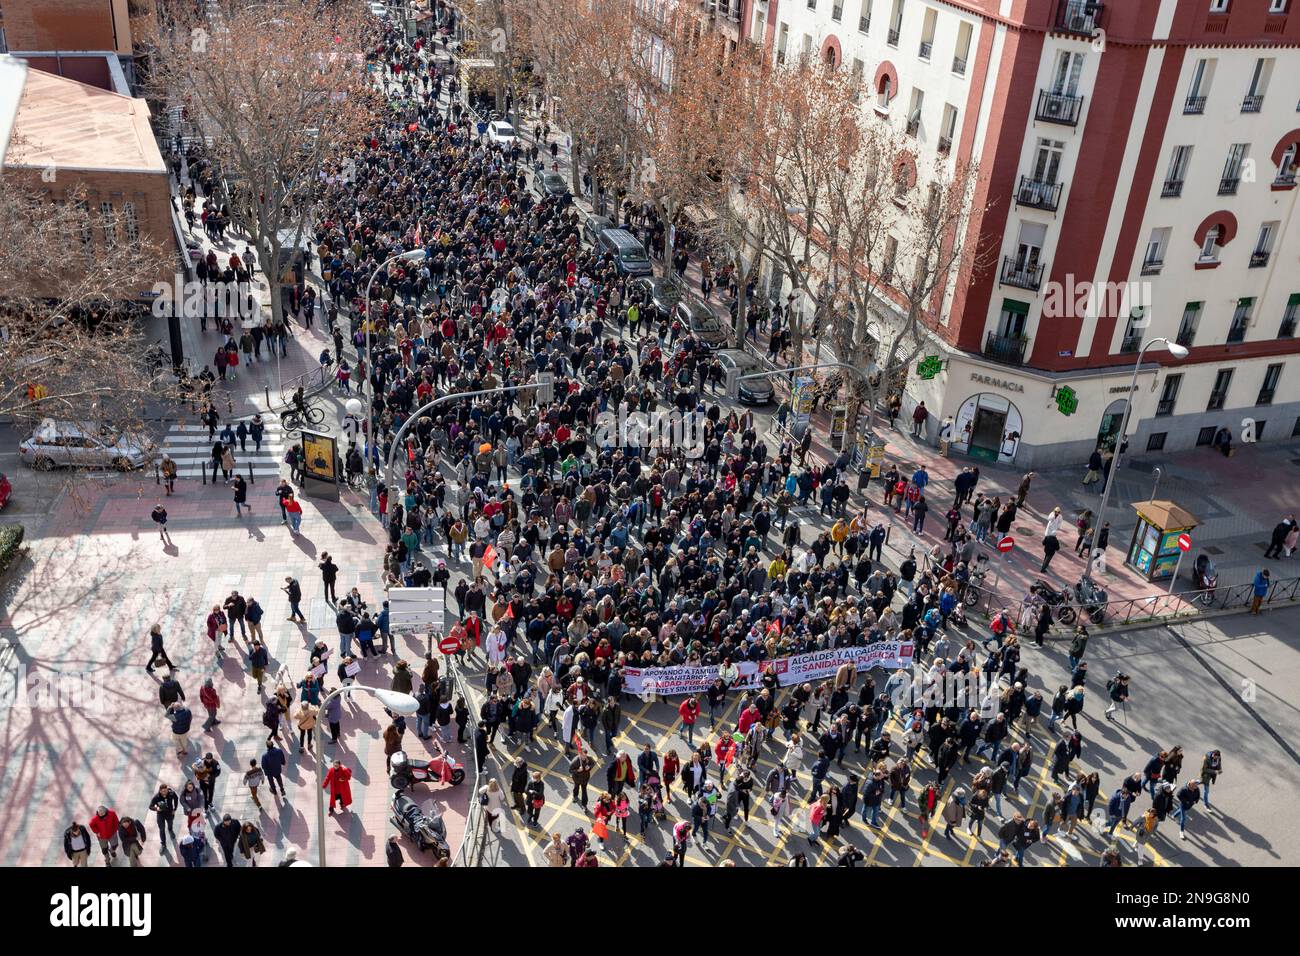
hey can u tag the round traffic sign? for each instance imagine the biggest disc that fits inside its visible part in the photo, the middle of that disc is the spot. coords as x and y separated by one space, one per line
1006 543
1184 542
448 645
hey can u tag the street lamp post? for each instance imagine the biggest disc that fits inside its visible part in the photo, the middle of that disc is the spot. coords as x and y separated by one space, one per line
393 700
1178 352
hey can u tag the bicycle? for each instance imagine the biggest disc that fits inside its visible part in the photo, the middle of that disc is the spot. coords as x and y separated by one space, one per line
294 419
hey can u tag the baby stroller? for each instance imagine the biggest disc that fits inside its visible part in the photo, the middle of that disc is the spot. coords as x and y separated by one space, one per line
657 802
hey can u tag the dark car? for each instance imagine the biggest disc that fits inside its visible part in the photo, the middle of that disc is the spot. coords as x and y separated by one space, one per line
756 391
696 316
659 291
593 226
629 255
553 184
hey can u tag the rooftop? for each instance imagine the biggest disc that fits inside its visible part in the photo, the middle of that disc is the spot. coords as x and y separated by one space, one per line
70 125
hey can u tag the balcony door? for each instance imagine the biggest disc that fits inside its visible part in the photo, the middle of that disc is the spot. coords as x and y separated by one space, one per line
1047 165
1065 81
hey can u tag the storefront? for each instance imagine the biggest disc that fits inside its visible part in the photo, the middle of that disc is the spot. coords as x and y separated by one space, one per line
988 426
1111 422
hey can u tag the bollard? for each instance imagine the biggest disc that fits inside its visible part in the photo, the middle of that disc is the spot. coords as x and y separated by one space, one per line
157 475
204 466
251 479
267 390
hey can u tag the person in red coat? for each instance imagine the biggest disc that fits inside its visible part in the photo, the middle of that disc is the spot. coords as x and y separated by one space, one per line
336 782
748 717
104 825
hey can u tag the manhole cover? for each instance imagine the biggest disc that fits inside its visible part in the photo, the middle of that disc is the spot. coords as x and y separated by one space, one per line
1024 531
1211 549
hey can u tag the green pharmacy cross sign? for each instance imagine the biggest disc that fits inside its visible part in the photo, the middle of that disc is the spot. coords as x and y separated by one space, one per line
1067 401
929 367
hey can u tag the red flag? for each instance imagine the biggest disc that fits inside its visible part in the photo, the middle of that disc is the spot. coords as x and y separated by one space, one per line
490 556
510 611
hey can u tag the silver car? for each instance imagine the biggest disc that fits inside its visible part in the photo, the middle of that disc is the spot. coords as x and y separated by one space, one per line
756 391
56 444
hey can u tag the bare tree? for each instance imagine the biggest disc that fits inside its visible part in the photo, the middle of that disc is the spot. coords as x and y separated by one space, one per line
279 88
67 349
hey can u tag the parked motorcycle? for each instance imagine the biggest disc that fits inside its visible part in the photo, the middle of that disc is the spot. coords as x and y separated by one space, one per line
1092 599
442 768
1205 578
1059 601
428 832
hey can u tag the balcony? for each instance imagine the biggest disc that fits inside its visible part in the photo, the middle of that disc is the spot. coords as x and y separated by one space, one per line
1228 185
945 144
1080 17
1062 108
1038 194
1259 258
1022 275
864 24
959 65
1253 103
1132 343
1194 106
1152 267
1165 407
1007 349
926 47
1173 188
894 34
1285 179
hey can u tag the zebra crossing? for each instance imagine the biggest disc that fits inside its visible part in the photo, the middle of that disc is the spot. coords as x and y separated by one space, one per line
190 446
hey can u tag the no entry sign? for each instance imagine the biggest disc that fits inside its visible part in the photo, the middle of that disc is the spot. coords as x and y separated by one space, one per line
1184 542
448 645
1006 543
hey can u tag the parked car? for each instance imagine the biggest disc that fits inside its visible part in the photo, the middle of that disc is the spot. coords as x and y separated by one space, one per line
696 316
629 255
64 444
593 226
659 291
499 131
756 391
6 489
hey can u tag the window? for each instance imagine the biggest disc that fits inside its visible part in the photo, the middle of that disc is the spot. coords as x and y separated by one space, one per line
807 48
1155 254
812 4
782 42
129 224
1219 394
1202 74
891 255
864 17
108 222
1295 429
1254 99
1210 247
1240 320
1187 326
895 23
886 93
1265 397
1169 394
837 10
1263 245
927 34
948 131
1156 441
1205 437
857 72
1277 6
1177 174
1065 79
1133 336
1011 321
87 231
1219 6
962 53
1232 169
914 111
1289 317
1286 167
1259 428
1047 164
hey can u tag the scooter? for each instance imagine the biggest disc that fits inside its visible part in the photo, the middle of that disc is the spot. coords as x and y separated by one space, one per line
442 767
428 832
1058 601
1093 599
1205 577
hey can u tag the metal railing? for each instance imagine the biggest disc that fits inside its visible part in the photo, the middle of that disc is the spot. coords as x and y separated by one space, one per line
1007 349
1080 17
1172 189
1194 106
1152 607
1038 193
1062 108
1252 103
471 847
1022 273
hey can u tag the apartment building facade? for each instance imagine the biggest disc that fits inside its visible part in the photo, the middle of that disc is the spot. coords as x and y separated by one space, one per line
1137 180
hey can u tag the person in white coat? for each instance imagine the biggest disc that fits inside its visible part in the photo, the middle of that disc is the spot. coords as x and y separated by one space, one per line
1053 523
497 642
568 723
